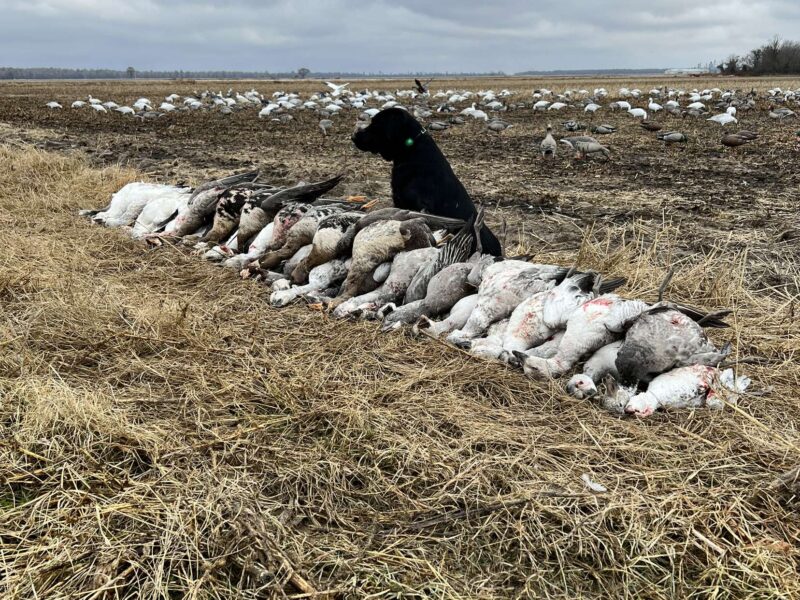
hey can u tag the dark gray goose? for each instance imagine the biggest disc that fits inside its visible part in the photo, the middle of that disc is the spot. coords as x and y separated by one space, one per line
458 249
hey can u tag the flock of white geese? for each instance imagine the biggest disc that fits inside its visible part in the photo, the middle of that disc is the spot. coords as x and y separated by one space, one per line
448 108
402 268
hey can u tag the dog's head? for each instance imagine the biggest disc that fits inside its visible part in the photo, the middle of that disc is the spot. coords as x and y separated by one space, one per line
391 132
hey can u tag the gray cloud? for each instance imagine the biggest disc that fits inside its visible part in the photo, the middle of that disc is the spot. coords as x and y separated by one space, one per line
388 36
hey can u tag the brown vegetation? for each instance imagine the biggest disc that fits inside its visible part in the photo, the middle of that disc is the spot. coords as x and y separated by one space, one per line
167 434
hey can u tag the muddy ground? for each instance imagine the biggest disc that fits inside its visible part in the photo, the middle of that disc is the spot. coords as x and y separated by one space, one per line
167 433
745 196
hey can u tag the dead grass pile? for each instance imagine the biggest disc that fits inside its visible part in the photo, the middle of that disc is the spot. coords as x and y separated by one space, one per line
167 434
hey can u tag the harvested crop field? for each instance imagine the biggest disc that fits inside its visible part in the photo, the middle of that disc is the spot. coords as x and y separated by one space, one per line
168 434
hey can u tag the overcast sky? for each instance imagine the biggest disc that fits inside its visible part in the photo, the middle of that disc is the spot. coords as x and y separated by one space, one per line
390 36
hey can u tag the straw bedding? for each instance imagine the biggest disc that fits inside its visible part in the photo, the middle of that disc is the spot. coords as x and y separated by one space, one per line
165 434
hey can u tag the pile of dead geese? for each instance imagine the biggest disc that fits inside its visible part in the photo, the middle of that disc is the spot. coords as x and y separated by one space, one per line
401 267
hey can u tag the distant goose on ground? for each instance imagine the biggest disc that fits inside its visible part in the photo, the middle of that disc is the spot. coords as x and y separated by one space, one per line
638 113
723 119
748 135
325 125
475 113
548 145
650 126
603 129
54 105
780 113
498 125
78 104
573 125
672 137
732 140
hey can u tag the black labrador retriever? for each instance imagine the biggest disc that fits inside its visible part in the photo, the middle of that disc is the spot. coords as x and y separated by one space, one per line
422 179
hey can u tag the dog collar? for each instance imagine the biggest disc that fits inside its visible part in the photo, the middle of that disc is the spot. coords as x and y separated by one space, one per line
410 141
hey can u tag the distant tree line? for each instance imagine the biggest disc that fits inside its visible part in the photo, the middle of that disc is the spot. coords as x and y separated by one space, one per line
130 73
776 57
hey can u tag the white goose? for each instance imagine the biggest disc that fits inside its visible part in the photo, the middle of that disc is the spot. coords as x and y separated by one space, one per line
723 119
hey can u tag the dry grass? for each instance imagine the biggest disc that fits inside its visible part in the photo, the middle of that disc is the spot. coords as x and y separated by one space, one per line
167 434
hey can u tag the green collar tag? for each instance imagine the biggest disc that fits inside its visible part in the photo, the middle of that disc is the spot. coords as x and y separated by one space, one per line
409 142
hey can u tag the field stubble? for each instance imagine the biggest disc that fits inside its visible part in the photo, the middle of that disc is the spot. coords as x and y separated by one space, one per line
167 433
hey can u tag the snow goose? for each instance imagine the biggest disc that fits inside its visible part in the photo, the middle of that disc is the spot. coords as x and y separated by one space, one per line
686 387
723 119
456 319
267 110
52 105
336 90
603 129
325 125
498 125
653 106
593 325
600 364
661 339
504 285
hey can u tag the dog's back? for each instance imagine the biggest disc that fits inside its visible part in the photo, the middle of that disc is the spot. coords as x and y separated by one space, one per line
425 181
